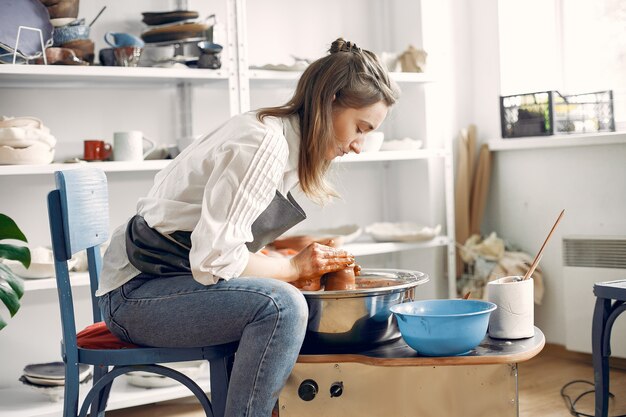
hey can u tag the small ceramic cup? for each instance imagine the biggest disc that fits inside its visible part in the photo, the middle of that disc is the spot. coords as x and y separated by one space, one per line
128 146
97 150
514 318
120 40
106 56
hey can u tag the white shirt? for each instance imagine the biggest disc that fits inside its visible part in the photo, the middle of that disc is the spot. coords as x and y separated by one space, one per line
216 188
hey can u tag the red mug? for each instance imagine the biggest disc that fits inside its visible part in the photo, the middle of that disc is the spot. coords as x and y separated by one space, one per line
97 150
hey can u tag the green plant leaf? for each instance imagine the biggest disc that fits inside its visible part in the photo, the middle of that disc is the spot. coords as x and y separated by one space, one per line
9 229
16 253
11 286
16 283
10 300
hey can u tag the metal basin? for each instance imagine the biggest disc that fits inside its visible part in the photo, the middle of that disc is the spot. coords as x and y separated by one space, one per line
348 320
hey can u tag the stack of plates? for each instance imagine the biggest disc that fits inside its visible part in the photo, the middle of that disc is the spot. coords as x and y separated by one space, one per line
176 26
49 378
52 373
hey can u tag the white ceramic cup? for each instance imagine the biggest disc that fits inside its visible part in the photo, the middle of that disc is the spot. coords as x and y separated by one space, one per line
129 146
515 316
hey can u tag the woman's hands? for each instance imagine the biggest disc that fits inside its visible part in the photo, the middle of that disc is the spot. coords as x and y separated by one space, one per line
317 259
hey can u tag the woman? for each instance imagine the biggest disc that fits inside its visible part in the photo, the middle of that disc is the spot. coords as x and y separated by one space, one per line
186 270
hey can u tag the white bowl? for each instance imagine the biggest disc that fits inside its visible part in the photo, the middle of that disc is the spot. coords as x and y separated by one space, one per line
373 141
37 153
41 264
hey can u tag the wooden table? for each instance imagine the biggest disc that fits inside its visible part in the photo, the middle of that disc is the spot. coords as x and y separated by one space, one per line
394 381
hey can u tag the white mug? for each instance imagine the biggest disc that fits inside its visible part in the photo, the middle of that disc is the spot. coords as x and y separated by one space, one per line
128 146
514 317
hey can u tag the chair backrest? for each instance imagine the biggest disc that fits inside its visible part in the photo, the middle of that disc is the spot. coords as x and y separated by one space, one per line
78 211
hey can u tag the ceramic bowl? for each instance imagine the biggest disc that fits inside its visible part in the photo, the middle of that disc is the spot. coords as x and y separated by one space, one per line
443 327
60 56
83 48
373 141
41 265
65 34
38 153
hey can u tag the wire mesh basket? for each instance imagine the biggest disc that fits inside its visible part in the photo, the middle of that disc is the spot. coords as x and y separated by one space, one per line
549 112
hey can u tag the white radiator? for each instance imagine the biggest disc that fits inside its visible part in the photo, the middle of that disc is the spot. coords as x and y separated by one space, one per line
586 261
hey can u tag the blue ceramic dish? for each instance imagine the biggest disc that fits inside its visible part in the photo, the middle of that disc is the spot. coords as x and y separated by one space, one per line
64 34
443 327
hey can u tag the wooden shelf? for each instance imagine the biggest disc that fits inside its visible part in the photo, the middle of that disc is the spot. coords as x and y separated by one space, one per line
78 76
21 401
558 141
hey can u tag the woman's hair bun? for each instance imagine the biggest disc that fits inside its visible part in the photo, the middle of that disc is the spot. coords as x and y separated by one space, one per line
342 45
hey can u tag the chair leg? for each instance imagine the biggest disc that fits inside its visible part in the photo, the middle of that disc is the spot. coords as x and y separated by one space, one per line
105 382
100 402
600 357
219 372
70 397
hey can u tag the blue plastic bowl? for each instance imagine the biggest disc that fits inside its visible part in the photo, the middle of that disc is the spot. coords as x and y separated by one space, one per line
443 327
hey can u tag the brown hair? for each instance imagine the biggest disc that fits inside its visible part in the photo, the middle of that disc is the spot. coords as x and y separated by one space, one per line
349 77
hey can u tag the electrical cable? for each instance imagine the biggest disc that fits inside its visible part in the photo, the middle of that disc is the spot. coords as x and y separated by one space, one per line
571 405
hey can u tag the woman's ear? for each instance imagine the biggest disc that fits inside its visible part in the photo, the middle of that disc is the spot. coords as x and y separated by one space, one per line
334 97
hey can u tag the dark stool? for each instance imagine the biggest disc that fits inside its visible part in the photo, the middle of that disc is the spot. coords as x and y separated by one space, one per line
610 297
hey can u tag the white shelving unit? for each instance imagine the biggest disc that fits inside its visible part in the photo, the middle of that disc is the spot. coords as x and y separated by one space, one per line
237 79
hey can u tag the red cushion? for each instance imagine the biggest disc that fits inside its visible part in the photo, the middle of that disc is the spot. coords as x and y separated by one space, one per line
98 336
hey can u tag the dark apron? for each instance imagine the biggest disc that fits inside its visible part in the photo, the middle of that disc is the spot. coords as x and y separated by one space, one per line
153 253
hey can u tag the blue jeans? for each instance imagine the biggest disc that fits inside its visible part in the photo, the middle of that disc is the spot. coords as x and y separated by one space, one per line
268 318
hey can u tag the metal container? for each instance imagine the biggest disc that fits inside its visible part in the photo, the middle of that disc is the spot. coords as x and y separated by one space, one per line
348 320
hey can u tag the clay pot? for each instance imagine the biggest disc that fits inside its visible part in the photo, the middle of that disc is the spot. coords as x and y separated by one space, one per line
308 284
341 280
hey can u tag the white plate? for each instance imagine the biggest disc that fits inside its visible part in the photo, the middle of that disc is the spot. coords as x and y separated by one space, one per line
401 232
53 371
347 233
193 369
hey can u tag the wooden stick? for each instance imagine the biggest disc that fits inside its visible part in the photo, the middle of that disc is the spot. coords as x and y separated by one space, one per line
540 253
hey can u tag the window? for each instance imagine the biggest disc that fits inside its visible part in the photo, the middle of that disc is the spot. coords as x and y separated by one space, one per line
574 46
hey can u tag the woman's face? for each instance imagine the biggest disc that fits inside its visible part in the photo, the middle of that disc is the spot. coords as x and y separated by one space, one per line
351 125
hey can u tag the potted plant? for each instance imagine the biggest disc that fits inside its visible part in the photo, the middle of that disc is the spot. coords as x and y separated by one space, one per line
11 286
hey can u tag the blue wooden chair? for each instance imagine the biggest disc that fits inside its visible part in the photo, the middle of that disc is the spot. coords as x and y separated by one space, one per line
78 213
610 298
